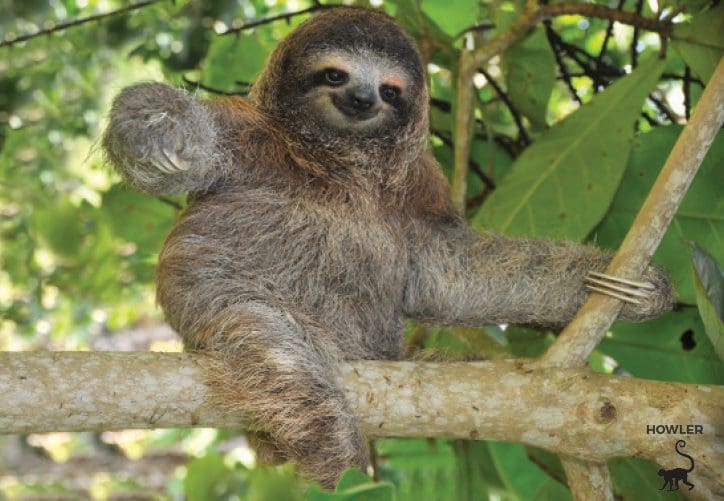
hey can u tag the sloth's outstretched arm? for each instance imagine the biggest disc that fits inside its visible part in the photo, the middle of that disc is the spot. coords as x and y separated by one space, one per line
460 277
164 141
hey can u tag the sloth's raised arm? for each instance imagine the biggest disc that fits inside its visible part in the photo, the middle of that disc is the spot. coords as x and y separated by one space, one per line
164 141
460 277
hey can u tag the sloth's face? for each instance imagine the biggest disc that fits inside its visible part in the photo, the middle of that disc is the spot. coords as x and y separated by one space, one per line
360 93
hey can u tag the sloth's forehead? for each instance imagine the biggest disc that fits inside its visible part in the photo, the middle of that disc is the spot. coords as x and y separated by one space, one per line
362 63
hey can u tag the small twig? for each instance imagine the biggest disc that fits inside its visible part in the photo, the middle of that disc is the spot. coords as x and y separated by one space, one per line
635 19
687 92
474 166
687 76
651 121
170 202
635 40
565 75
475 29
609 32
287 16
509 104
663 109
440 104
212 90
76 22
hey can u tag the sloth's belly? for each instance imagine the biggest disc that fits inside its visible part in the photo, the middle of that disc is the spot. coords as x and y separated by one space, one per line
346 272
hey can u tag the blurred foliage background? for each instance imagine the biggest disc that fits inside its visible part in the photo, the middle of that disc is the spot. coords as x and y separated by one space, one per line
572 125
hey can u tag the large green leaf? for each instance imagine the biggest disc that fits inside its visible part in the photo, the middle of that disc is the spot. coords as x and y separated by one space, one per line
709 280
354 486
637 479
208 477
700 42
60 227
138 218
522 476
232 59
700 217
420 469
530 73
563 184
674 347
452 17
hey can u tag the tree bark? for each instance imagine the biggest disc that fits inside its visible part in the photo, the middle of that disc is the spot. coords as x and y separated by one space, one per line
574 412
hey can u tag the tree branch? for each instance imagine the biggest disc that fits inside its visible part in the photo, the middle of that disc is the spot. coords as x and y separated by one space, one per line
574 412
602 12
280 17
76 22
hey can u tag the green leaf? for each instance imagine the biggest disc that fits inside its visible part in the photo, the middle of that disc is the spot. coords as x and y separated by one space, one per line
352 478
709 280
419 469
700 42
563 184
59 227
410 15
637 479
206 478
700 217
353 486
523 477
232 59
529 68
272 483
138 218
452 17
673 347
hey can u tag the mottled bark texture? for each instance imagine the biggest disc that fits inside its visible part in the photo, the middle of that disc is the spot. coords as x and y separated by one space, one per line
307 243
573 412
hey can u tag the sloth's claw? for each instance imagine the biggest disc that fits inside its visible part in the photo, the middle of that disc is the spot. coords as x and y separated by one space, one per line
629 291
170 163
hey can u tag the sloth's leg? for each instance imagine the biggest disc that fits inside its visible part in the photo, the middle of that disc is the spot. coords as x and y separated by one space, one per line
270 372
267 451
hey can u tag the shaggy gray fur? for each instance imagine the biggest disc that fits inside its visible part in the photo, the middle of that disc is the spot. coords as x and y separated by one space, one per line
298 252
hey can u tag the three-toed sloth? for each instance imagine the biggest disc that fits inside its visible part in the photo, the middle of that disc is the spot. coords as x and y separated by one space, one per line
318 221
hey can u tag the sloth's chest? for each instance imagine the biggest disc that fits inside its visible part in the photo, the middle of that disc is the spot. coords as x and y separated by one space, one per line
337 255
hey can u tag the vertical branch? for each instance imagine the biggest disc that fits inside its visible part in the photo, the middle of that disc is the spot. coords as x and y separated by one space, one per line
468 63
585 331
588 480
463 128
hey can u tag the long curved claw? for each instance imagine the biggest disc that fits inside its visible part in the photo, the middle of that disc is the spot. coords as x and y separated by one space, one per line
630 291
164 163
170 163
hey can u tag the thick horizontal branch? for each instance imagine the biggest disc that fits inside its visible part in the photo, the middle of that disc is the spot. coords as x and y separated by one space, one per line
569 411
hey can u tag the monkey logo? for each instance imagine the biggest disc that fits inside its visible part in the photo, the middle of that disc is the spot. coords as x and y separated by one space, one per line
672 476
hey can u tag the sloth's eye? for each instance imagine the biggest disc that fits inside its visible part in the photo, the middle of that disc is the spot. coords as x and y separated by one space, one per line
389 93
335 77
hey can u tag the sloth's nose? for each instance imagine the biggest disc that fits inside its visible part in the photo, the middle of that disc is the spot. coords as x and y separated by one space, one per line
362 99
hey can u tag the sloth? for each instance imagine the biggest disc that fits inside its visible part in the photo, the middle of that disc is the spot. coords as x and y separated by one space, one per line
318 220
